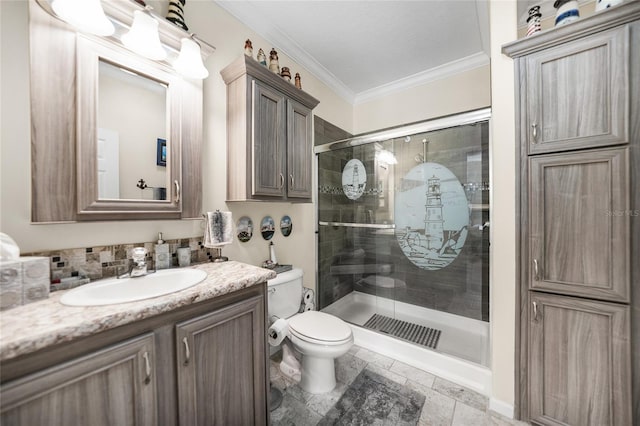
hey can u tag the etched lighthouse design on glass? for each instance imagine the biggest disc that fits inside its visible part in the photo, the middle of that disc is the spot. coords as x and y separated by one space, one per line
354 179
433 222
432 216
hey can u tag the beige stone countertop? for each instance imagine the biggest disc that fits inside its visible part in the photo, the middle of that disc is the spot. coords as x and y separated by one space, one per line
32 327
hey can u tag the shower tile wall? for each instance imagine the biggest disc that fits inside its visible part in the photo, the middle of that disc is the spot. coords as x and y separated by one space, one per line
371 260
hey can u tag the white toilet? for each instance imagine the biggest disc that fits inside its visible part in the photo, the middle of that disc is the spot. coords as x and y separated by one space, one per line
318 337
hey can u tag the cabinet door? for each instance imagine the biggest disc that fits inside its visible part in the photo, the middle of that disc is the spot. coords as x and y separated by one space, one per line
579 235
269 141
579 362
114 386
221 366
299 150
578 93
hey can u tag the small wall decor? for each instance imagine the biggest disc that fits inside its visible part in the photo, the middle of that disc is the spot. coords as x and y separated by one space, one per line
286 226
161 152
175 14
267 227
354 179
248 48
274 65
298 82
262 58
244 229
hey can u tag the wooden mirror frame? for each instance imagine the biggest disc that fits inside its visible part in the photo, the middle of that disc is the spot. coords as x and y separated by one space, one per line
61 182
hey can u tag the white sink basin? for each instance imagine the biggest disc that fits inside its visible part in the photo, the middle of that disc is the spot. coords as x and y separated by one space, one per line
113 290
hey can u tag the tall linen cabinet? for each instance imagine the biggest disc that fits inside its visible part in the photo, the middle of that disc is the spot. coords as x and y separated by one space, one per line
578 131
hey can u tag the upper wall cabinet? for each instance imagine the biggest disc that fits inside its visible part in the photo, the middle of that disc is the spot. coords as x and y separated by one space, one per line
578 93
269 131
114 136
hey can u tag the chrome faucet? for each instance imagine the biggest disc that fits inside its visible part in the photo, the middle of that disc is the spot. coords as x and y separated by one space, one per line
138 264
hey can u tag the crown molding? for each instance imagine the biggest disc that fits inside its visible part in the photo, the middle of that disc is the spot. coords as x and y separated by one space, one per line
446 70
289 47
298 54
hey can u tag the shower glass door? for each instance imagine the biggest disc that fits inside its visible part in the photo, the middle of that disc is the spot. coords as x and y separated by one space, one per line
403 235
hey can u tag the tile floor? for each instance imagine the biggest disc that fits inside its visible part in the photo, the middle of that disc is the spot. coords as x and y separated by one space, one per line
446 403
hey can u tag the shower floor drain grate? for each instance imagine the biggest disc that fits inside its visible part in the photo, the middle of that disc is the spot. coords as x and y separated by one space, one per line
415 333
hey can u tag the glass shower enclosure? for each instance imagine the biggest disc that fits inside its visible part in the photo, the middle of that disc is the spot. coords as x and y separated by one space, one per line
403 233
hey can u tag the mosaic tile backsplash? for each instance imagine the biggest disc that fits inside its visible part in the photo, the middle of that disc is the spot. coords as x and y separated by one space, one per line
72 267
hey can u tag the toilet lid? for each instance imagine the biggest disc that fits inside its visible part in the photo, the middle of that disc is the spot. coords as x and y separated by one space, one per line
320 326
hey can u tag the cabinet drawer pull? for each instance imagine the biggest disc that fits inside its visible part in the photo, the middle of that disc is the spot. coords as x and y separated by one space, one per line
187 353
281 181
534 132
291 180
535 311
536 270
175 182
147 368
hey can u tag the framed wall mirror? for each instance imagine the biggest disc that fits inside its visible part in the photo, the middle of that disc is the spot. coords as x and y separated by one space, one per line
126 106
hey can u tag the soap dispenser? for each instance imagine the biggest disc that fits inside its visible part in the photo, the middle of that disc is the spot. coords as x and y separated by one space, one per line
163 257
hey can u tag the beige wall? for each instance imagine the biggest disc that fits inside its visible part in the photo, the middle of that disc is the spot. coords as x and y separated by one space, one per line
460 92
503 222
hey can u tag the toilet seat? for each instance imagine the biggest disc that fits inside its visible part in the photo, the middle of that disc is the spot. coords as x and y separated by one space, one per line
318 327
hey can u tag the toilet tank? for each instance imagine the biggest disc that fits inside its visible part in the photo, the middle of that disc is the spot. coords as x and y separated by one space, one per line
285 293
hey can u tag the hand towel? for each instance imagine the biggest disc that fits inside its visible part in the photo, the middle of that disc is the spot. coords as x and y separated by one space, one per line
218 229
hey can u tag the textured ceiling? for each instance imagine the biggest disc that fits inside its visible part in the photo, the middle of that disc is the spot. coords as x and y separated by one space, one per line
361 48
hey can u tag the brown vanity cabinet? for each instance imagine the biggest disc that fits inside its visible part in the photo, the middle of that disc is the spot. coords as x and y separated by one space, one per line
111 386
221 377
578 123
201 364
578 244
269 135
579 365
577 93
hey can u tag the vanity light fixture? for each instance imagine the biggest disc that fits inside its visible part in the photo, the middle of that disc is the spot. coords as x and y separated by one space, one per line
86 15
189 63
143 37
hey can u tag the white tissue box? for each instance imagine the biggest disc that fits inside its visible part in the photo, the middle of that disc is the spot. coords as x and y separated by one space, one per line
23 281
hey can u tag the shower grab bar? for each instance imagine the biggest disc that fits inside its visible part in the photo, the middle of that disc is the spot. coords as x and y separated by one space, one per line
360 225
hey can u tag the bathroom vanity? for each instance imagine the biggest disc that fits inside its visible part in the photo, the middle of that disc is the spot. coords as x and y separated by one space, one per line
197 356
